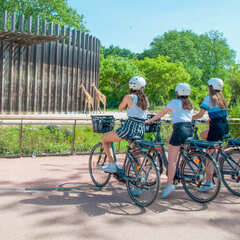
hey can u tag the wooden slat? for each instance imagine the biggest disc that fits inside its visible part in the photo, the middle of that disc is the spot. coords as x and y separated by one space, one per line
56 62
42 70
21 23
83 43
27 79
19 81
87 64
30 24
49 82
73 72
67 72
62 72
10 79
13 22
5 21
78 72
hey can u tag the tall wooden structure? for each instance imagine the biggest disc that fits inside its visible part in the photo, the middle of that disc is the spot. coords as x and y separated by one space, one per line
41 67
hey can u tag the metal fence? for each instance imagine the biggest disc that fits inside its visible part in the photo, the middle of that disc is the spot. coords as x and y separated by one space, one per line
35 125
44 78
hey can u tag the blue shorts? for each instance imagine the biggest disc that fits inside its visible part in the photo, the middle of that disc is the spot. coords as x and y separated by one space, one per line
217 129
132 127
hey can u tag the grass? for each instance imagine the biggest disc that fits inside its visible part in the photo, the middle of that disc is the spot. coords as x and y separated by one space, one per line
58 140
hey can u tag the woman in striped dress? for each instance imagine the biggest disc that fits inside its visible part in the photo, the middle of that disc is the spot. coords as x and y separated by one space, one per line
136 104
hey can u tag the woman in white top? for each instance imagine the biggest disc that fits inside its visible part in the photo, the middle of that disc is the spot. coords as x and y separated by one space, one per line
136 104
181 110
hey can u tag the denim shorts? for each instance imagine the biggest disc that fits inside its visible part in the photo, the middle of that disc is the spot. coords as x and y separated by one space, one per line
181 131
217 129
132 127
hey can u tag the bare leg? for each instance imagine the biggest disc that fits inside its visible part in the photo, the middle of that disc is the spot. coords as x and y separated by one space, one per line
107 139
172 162
209 165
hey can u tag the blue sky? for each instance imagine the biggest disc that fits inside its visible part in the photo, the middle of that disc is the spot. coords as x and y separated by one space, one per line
133 24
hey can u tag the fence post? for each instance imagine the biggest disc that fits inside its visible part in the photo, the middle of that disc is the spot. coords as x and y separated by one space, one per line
20 138
73 136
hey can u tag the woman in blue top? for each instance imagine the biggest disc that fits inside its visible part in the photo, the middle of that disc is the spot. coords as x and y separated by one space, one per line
136 104
181 110
215 104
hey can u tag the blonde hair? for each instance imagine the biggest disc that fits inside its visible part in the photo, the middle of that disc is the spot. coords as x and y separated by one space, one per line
217 98
186 103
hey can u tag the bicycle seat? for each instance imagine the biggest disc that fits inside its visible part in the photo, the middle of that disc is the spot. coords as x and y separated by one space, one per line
205 144
234 142
189 139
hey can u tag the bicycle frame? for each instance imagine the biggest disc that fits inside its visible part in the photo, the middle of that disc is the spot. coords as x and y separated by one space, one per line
121 171
182 153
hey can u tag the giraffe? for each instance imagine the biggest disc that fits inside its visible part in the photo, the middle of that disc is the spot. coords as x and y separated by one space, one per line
100 98
88 99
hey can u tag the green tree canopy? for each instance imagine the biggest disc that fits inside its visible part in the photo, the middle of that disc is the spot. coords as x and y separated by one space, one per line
162 77
56 11
116 51
203 56
115 73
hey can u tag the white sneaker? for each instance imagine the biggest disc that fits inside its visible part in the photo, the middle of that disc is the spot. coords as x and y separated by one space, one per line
110 168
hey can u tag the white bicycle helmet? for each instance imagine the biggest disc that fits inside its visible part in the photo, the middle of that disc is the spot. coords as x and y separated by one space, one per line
136 83
216 83
183 89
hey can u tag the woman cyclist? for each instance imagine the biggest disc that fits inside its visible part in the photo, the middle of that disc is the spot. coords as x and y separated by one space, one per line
215 104
136 104
181 110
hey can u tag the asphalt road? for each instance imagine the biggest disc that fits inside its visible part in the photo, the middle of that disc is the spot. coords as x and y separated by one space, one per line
28 213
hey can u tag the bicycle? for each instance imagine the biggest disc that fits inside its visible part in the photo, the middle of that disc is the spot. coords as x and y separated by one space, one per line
191 164
139 171
228 157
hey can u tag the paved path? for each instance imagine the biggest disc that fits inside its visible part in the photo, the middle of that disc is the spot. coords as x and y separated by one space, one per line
109 215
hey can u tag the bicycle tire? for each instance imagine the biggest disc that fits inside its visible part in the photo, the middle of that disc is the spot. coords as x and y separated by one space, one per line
147 179
231 177
193 180
97 160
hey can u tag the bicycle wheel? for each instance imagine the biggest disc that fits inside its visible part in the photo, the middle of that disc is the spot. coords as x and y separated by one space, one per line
144 178
230 170
98 159
194 174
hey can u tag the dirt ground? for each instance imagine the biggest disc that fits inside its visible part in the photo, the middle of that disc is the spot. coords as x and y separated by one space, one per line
28 213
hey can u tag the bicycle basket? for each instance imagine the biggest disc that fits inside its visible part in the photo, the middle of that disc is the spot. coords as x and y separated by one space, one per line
151 127
102 123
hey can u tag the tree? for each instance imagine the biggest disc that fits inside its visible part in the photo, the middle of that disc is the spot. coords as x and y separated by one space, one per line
116 51
56 11
115 73
215 56
162 77
203 56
